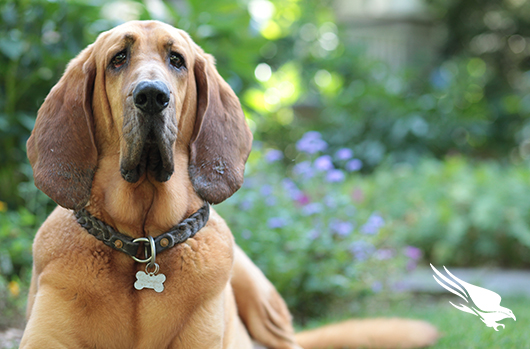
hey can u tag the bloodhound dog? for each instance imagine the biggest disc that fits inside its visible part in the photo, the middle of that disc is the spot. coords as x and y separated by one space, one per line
134 142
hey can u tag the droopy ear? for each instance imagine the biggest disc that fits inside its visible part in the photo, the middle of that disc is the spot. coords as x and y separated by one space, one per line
61 148
221 139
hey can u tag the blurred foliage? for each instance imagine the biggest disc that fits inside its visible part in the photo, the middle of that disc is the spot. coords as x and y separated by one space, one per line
457 212
384 114
320 236
497 34
17 230
307 231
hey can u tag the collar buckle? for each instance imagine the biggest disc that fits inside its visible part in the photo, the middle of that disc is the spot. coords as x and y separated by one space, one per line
149 250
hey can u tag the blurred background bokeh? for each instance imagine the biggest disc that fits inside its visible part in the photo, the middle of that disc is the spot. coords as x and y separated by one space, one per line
388 133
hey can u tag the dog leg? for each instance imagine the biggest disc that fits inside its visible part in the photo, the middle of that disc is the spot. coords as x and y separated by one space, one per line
260 307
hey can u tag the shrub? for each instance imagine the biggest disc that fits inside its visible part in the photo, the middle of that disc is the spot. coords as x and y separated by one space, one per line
16 235
17 229
308 231
459 212
325 232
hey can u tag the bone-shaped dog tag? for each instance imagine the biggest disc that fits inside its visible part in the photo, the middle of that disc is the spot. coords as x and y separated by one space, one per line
150 280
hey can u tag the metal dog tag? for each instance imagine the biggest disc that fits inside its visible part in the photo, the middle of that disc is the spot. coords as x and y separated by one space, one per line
150 279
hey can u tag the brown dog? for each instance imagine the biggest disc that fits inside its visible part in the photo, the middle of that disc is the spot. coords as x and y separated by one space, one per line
137 135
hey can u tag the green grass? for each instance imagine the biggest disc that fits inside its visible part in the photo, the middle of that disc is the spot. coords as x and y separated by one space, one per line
459 329
464 330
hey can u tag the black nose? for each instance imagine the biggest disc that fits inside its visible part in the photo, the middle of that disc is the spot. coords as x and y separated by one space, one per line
151 96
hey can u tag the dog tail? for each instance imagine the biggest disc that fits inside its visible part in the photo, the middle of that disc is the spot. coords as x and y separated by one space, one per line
370 333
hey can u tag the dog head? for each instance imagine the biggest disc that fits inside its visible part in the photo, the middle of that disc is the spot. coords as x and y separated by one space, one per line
138 90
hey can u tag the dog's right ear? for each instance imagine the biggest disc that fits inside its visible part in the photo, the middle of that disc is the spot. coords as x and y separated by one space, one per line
61 148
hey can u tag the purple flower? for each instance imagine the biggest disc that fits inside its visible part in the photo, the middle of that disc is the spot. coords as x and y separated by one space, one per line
270 201
288 184
384 254
273 155
354 165
276 222
330 201
312 135
303 199
266 190
373 224
304 169
245 205
399 286
413 252
335 175
411 265
377 286
292 189
312 208
311 143
323 163
344 154
361 249
341 228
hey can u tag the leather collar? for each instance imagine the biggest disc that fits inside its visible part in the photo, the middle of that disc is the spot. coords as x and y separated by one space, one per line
121 242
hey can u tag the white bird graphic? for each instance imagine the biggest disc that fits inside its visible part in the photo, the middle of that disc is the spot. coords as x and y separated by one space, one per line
483 303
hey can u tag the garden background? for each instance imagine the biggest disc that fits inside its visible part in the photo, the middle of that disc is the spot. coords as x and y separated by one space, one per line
387 134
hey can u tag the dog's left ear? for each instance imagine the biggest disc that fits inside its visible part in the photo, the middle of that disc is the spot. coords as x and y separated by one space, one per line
221 139
61 148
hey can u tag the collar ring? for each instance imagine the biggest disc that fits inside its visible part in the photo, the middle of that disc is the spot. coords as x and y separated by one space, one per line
151 260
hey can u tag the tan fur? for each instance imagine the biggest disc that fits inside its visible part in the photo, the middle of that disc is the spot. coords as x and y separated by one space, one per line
370 333
82 293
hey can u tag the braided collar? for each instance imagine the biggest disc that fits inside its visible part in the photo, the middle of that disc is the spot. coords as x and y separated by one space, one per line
121 242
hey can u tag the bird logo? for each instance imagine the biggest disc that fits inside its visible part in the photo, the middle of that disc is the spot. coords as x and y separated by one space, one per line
481 302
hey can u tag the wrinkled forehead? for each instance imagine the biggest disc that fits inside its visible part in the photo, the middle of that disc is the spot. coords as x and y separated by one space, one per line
153 34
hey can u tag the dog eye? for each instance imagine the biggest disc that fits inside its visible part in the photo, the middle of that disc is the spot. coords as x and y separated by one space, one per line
176 60
119 59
